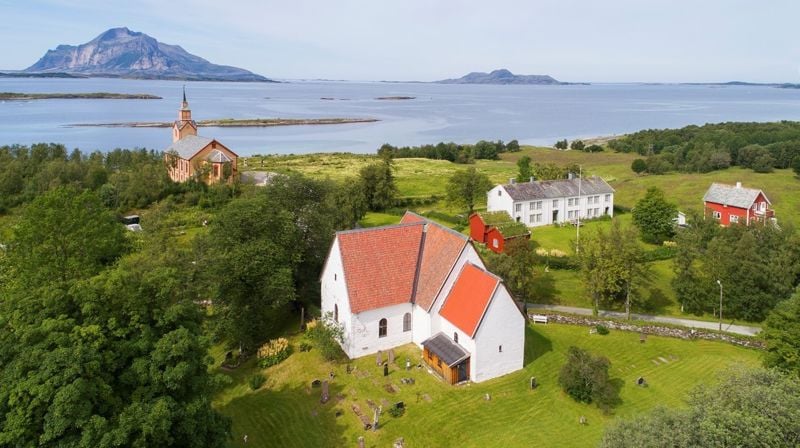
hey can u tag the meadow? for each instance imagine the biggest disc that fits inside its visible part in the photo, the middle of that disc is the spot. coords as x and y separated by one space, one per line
287 412
423 178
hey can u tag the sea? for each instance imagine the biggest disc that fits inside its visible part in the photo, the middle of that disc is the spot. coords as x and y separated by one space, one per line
530 114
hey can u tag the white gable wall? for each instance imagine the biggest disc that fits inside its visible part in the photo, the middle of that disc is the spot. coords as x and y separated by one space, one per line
464 340
498 200
364 337
333 289
503 325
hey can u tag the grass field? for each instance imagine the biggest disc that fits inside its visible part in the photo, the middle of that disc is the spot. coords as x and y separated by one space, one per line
286 412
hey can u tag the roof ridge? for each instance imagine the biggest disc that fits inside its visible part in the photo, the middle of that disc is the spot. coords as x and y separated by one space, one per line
376 228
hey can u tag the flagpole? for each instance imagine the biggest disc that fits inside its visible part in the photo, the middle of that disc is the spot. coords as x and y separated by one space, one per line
578 227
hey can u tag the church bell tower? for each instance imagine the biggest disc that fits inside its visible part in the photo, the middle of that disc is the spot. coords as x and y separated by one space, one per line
184 125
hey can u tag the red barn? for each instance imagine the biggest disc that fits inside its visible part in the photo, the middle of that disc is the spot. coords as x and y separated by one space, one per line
494 229
731 204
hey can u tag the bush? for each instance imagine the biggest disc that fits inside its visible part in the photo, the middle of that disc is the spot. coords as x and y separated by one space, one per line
396 411
601 329
585 378
639 166
273 352
256 381
305 346
325 335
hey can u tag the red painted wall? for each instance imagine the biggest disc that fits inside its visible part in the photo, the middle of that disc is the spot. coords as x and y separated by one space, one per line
727 211
477 228
495 240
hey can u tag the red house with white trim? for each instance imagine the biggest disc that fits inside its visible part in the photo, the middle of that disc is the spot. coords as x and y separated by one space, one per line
419 282
734 204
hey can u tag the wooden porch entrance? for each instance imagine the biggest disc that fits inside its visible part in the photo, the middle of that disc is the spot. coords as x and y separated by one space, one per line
446 358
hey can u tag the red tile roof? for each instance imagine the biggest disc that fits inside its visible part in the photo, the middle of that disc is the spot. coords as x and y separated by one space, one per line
380 265
409 217
440 251
469 298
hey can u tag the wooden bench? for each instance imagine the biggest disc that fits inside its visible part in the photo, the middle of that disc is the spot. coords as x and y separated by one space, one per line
539 319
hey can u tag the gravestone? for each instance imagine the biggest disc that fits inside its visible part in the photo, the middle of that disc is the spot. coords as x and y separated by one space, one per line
400 405
641 381
375 419
325 396
487 397
316 383
534 383
391 356
582 420
361 442
399 443
378 358
386 370
408 364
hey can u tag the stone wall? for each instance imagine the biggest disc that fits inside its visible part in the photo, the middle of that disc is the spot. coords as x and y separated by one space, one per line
672 332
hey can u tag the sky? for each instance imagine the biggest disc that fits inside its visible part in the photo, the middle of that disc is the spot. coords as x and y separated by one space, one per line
426 40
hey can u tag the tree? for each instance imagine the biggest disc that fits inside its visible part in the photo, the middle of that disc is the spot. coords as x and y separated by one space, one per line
524 166
639 166
654 216
782 335
515 267
612 266
585 378
578 145
747 408
512 146
466 187
107 355
561 144
377 184
796 165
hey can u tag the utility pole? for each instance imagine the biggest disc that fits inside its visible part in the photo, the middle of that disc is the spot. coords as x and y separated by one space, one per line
720 304
578 226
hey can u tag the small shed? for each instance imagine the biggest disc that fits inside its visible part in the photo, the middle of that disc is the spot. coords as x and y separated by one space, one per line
495 228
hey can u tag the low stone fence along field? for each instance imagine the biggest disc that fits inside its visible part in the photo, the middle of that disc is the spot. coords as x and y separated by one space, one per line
657 330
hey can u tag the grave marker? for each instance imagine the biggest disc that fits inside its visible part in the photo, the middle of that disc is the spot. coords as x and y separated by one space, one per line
325 396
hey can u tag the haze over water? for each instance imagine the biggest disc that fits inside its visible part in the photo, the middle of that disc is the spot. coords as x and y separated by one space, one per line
459 113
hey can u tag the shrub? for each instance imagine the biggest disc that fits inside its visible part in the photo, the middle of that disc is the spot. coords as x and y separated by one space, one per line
305 346
256 381
601 329
396 411
585 378
273 352
325 335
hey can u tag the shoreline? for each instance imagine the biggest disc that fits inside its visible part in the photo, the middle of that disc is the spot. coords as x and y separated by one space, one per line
15 96
234 123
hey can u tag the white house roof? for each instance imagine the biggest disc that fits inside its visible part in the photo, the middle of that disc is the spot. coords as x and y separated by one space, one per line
733 195
551 189
188 146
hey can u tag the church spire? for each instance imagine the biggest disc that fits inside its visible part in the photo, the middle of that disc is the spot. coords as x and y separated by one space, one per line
184 125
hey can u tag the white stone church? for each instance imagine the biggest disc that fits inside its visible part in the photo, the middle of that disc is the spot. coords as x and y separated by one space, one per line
419 282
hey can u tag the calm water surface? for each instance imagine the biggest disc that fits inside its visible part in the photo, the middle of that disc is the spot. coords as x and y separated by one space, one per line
460 113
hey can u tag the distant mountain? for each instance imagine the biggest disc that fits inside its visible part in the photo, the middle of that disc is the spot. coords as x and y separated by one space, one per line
503 76
122 53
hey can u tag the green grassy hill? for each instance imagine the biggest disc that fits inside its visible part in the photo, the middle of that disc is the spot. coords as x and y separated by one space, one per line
286 412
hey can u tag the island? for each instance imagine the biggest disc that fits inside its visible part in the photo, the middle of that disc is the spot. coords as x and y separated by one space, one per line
235 123
503 77
396 98
16 96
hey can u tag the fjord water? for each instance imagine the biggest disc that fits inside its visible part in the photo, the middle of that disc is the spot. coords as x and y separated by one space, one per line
459 113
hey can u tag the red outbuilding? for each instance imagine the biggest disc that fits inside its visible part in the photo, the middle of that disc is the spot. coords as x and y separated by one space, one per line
734 204
494 229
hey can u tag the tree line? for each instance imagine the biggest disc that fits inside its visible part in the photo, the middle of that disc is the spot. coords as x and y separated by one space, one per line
450 151
761 147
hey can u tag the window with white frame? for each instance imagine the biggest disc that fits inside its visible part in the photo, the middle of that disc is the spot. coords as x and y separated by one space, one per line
608 198
555 203
733 218
536 218
518 207
716 215
495 243
763 206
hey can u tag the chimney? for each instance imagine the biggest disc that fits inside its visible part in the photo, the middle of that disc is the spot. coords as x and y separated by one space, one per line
738 185
533 179
512 180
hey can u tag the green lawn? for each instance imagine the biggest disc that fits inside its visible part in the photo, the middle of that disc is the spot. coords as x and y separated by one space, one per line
286 412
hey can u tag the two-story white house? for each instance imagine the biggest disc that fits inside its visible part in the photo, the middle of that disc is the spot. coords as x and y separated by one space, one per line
419 282
539 203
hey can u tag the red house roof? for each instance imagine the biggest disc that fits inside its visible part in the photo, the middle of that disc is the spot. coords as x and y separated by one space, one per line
469 299
440 251
380 264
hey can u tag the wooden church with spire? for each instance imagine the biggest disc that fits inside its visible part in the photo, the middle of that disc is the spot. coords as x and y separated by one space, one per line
194 157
